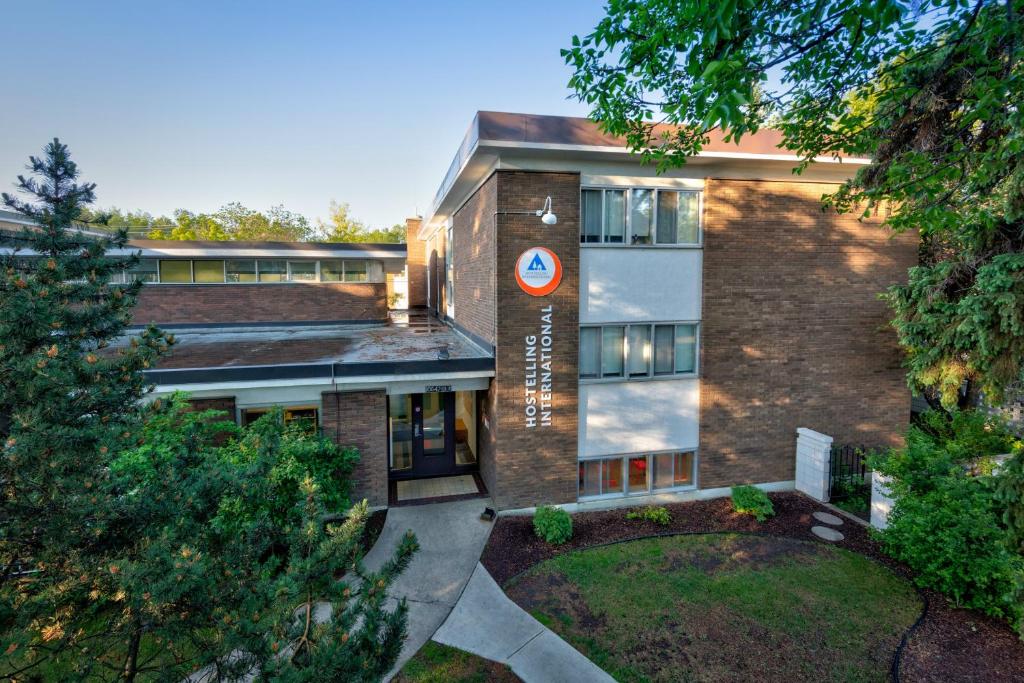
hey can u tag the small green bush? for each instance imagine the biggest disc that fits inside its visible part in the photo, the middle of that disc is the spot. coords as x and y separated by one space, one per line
554 525
658 515
751 500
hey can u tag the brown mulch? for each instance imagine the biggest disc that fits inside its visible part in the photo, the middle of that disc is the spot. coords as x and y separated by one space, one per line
371 532
948 645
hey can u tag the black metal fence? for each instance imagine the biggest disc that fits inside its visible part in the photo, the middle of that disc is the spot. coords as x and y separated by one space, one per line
848 475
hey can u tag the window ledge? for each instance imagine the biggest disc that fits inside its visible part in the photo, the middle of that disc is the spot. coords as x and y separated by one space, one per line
623 380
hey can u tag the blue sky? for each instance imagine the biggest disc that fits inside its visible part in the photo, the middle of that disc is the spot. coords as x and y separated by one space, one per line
196 104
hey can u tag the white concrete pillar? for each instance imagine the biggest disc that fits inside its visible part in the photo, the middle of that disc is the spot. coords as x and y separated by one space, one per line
813 451
881 503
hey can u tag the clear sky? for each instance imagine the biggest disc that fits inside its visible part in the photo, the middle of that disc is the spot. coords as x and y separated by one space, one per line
196 104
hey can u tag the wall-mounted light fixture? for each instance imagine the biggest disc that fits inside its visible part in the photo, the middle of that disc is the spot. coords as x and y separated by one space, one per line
546 215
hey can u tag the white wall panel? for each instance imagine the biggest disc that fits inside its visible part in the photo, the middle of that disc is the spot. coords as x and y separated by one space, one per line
638 417
636 284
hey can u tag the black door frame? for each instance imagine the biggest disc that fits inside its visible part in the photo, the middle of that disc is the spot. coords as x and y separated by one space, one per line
425 466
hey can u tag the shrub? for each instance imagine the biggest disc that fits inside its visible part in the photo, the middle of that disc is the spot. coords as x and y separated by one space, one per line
956 518
751 500
658 515
952 538
554 525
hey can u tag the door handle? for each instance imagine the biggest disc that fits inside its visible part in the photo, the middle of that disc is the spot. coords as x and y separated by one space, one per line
416 431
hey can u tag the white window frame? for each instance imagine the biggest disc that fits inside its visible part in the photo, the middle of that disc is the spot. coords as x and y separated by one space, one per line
699 244
649 489
287 273
650 376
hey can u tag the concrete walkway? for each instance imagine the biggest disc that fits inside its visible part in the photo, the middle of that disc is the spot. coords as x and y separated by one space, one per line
451 537
487 623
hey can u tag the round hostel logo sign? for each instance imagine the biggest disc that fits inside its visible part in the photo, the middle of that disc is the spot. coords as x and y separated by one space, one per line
538 271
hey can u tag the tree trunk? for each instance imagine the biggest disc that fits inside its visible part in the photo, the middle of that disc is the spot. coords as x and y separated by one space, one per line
132 660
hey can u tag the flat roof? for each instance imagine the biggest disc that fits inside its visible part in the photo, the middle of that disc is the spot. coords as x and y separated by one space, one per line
409 344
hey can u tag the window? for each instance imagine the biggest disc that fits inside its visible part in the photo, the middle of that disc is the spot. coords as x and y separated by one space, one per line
145 270
175 271
332 271
636 474
355 271
272 271
590 352
302 271
639 216
637 351
673 470
208 271
611 351
241 270
306 418
449 270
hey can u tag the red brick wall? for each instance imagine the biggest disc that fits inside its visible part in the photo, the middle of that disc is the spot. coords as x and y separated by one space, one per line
258 303
416 260
359 418
533 466
793 334
474 251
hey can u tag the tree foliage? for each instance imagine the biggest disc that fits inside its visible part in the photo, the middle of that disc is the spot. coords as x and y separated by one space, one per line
341 227
152 541
930 91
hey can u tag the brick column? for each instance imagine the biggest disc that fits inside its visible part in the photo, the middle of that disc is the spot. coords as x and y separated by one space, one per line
416 263
359 419
536 464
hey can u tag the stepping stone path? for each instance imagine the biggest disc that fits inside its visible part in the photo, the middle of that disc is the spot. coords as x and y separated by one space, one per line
826 533
828 518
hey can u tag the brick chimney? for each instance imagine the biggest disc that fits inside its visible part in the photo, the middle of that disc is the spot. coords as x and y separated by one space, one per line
416 260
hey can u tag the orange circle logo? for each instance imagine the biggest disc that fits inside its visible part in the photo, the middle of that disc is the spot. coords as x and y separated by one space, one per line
538 271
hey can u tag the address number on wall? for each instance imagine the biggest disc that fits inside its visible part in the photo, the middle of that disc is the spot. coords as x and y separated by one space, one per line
437 388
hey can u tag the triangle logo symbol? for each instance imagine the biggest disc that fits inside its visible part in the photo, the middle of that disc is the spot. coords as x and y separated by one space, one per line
536 263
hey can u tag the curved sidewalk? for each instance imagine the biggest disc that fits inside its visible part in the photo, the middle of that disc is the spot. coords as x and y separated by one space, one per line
451 537
487 623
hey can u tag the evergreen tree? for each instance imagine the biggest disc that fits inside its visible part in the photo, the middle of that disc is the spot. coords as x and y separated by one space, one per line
135 542
67 402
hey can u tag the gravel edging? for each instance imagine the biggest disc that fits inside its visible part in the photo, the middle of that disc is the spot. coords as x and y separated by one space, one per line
945 644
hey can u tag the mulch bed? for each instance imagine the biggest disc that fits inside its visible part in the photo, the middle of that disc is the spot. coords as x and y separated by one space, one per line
948 645
374 525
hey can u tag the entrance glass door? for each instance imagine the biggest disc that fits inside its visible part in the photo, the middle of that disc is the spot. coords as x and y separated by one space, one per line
422 431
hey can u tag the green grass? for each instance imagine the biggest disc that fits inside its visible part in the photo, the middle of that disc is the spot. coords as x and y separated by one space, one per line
723 606
436 663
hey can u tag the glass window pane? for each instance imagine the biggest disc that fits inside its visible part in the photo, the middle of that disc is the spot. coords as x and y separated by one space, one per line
306 419
611 351
243 270
400 426
465 427
640 217
302 271
663 470
273 271
664 336
590 352
590 220
145 270
332 271
355 271
374 271
638 474
667 204
208 271
611 476
688 218
175 271
683 469
686 348
590 478
614 216
639 351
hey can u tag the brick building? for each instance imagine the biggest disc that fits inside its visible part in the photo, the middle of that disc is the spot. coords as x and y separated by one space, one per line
662 338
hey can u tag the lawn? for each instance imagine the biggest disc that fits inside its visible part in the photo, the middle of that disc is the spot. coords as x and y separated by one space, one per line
436 663
723 607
